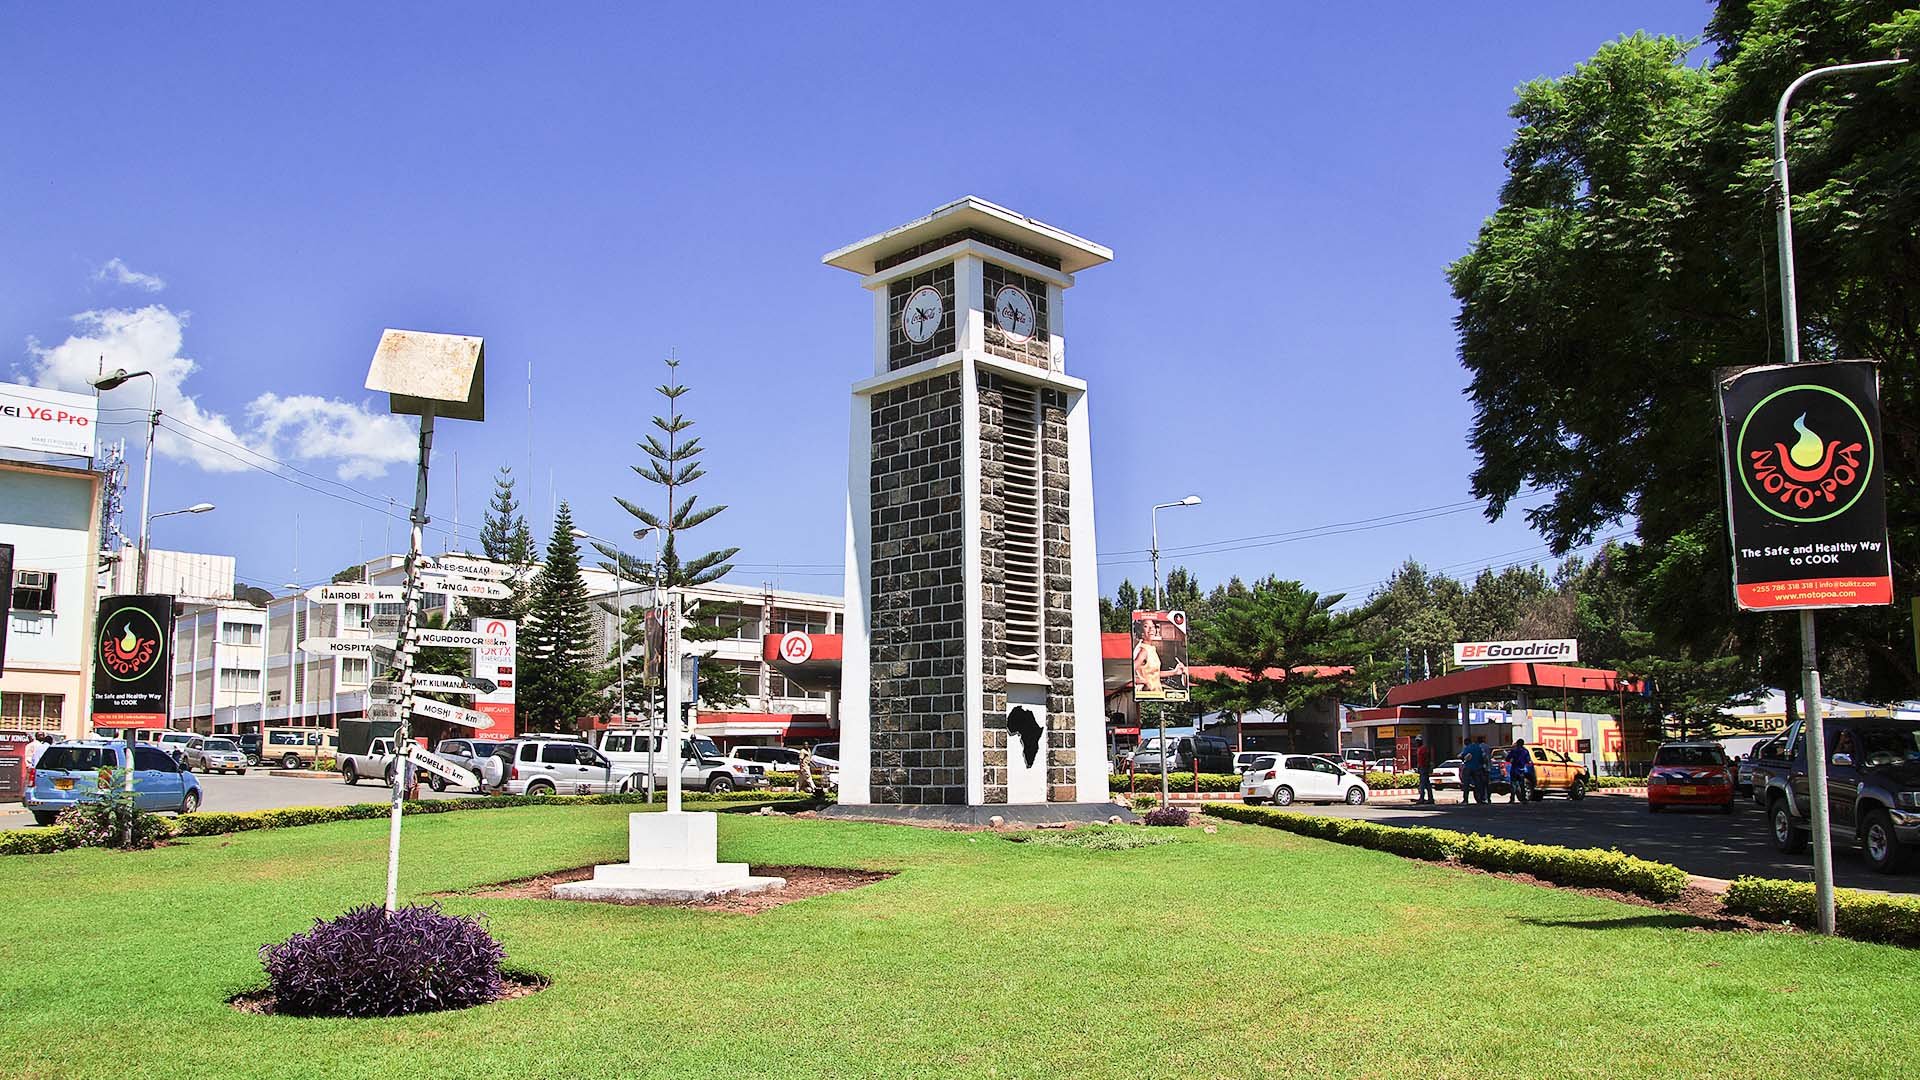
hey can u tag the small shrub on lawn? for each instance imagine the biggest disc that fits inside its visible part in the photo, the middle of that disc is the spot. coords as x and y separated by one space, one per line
1889 920
108 819
1144 802
372 962
1166 815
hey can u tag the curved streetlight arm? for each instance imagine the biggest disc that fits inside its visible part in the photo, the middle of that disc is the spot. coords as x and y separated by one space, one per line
1789 302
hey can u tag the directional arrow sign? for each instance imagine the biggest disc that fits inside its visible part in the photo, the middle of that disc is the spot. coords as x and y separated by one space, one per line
338 646
356 594
452 639
384 624
439 766
442 684
463 586
384 690
383 712
452 714
482 571
386 655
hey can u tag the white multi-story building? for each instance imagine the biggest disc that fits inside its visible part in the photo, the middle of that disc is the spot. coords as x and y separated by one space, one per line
775 710
51 516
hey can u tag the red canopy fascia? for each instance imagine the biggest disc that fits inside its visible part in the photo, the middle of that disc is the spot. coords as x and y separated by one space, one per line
1492 680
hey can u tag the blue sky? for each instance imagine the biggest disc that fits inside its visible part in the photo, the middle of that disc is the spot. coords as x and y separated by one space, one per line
589 187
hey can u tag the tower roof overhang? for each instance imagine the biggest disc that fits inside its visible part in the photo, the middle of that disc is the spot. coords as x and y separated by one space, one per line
971 212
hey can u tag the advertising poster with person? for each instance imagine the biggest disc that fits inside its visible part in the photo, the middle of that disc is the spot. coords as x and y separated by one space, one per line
1160 656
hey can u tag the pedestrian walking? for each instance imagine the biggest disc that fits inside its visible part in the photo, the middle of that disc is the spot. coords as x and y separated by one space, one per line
1423 764
1483 777
1519 772
41 741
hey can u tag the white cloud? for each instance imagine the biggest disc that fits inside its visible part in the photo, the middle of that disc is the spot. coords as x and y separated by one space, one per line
300 428
120 273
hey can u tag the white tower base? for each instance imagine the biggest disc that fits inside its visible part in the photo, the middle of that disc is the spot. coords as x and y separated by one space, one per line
670 857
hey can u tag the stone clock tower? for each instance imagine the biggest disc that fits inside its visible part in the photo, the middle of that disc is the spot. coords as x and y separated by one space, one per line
971 674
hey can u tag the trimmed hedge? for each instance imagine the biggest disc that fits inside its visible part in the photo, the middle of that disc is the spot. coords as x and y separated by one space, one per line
1600 782
1393 781
1590 867
1889 920
216 822
1176 781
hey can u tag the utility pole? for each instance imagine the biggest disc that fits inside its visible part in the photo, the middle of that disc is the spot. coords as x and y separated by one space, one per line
1815 735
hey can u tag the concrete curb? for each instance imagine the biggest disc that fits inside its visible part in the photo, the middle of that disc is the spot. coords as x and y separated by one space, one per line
312 774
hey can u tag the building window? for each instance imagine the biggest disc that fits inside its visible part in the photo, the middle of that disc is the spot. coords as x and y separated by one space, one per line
240 679
780 686
807 622
32 712
353 616
33 590
353 671
239 633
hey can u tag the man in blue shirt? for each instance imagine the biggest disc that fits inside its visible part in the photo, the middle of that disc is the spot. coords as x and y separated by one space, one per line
1474 782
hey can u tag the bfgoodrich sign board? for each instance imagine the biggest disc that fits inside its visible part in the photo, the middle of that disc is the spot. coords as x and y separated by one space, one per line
1806 492
1557 650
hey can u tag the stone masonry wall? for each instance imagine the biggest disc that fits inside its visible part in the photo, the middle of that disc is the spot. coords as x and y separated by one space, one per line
918 646
1057 568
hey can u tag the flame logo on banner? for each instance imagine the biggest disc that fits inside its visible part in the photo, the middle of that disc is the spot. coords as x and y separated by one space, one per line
130 654
1806 453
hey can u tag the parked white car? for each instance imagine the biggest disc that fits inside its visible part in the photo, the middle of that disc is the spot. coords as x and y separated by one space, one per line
536 766
1283 779
1447 773
703 766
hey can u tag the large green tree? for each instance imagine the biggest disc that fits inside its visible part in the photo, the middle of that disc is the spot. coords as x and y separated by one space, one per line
1292 644
557 662
1632 254
505 537
672 465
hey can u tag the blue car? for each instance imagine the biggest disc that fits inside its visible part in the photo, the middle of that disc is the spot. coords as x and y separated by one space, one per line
69 773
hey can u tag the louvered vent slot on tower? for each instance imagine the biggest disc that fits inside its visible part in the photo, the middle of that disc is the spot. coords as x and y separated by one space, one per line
1025 599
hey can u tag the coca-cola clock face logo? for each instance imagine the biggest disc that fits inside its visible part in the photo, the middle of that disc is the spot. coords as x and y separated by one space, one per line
129 644
1805 453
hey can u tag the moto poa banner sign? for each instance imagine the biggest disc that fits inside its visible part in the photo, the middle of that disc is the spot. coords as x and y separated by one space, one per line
132 661
1806 486
1548 650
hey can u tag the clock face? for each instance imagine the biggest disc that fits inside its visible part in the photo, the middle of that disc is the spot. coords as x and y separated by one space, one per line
1013 312
922 313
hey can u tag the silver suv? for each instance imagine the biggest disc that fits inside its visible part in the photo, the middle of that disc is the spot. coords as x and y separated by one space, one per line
556 767
210 753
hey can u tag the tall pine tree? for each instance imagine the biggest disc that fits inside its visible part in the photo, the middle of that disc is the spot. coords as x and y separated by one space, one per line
673 464
556 649
505 537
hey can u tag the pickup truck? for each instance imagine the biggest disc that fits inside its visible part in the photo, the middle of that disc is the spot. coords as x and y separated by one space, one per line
376 762
1873 790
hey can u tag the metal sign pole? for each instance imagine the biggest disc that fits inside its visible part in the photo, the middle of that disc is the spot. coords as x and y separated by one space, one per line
1815 735
410 619
670 673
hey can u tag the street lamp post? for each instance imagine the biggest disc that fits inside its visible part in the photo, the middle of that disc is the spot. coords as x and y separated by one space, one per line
1815 734
620 631
146 523
113 381
1161 710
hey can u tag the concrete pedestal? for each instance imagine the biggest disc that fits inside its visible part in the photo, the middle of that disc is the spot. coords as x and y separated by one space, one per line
670 857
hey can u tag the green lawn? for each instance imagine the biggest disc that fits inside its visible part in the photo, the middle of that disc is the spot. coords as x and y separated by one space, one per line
1247 953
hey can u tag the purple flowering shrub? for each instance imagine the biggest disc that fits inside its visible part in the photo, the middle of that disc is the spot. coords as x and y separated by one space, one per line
372 962
1166 815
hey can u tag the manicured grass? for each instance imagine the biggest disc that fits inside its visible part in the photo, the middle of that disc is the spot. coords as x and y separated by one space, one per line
1251 952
